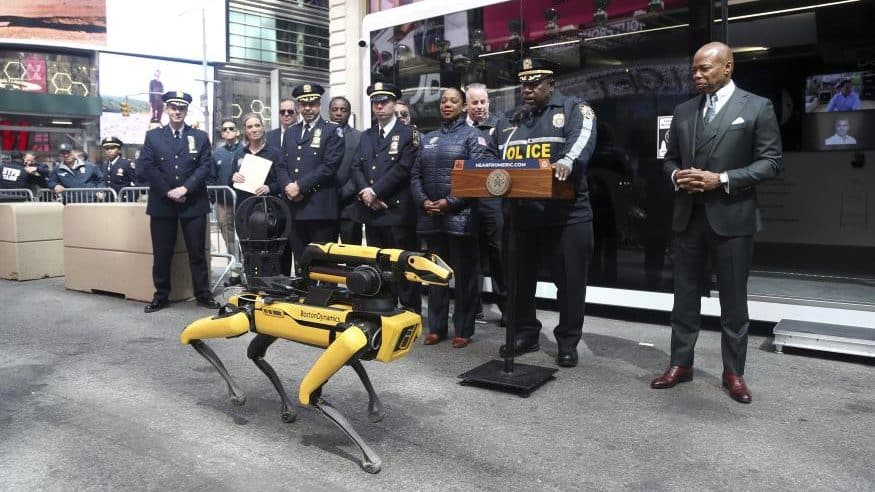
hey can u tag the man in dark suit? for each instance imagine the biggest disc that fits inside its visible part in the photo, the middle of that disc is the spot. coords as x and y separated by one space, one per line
350 226
381 173
721 145
288 117
177 160
311 154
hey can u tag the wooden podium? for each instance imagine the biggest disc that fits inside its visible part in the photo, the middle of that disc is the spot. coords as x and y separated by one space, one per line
516 181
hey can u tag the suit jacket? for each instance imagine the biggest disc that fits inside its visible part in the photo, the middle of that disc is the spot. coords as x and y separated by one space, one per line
385 166
312 162
274 137
168 163
346 189
746 144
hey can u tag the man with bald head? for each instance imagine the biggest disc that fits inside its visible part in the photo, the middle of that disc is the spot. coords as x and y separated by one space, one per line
721 144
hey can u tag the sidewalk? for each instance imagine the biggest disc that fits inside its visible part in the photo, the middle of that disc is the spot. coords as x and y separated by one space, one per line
95 394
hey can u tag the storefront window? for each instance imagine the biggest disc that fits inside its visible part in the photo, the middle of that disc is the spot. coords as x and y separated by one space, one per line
47 73
630 60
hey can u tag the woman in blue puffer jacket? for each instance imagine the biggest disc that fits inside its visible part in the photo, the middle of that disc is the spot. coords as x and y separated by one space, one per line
448 223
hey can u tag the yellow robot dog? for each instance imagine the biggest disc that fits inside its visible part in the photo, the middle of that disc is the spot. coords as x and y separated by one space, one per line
353 323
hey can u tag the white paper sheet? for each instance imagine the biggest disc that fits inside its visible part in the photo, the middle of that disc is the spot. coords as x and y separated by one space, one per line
255 170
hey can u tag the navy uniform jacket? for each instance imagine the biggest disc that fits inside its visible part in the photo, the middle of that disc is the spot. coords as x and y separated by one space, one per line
346 188
563 131
167 163
119 174
85 176
312 162
385 166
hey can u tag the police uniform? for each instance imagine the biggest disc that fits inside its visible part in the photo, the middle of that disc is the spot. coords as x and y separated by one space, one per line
492 227
85 175
563 131
119 173
14 175
311 155
171 159
383 164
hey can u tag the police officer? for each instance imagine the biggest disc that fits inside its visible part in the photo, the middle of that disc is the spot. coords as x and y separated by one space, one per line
176 160
74 173
39 172
15 175
562 129
118 172
491 218
381 174
311 154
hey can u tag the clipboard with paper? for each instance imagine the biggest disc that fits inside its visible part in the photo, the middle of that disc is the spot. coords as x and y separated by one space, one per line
255 169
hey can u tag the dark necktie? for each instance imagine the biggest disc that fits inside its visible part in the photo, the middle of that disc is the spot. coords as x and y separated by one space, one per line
176 134
711 109
382 134
306 130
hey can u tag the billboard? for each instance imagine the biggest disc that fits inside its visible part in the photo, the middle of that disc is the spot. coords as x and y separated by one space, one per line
161 28
139 82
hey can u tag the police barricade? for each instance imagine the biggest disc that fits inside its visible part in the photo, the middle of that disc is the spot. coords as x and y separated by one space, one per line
16 195
88 195
132 194
46 195
223 232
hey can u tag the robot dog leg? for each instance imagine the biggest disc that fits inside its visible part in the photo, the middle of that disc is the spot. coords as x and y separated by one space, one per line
375 406
257 348
346 347
227 325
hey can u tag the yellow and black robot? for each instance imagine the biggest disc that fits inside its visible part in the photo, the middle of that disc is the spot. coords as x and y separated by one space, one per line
339 300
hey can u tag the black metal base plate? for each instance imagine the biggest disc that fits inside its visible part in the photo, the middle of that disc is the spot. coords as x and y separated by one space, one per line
523 380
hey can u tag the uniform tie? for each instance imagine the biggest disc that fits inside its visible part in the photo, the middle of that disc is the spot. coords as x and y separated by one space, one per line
711 109
176 134
306 130
382 134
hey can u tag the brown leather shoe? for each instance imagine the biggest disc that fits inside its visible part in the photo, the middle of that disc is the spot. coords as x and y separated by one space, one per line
459 342
672 376
432 338
737 388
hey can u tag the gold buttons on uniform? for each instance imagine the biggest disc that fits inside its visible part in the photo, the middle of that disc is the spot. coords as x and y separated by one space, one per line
175 167
299 147
299 158
372 181
398 202
296 169
373 167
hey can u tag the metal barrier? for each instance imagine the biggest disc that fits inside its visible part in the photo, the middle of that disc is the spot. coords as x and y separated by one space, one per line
134 194
223 231
88 195
16 195
46 195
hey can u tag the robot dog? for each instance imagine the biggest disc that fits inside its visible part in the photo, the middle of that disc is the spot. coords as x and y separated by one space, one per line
353 323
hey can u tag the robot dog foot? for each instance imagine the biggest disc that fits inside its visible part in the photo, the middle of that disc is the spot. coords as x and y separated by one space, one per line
375 406
237 396
371 463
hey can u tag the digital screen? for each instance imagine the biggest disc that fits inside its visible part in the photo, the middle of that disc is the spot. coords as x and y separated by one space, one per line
139 82
839 111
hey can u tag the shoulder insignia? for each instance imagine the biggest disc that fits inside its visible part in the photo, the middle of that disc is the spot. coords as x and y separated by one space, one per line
415 138
587 111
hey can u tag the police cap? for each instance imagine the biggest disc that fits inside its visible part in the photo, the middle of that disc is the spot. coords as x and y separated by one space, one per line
381 91
308 92
534 70
110 142
64 148
178 98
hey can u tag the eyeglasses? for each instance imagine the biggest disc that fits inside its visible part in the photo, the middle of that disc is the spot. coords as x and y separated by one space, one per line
229 129
288 112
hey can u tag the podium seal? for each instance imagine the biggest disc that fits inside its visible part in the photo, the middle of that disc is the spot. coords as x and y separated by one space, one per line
498 182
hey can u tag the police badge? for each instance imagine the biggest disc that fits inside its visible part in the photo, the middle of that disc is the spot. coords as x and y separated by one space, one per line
558 120
414 138
192 148
587 111
393 145
317 138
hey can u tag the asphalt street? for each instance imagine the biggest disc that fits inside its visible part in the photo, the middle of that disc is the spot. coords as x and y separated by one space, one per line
97 395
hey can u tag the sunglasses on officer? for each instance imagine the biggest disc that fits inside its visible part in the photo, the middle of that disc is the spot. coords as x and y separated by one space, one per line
229 128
